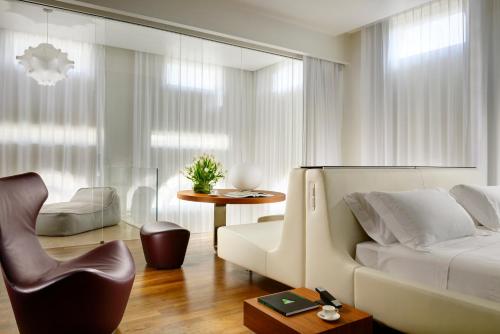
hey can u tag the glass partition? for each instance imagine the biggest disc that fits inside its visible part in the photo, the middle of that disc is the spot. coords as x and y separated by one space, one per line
78 219
113 208
138 105
138 190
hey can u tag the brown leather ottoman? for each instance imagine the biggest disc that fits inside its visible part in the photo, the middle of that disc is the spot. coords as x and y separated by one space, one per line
164 244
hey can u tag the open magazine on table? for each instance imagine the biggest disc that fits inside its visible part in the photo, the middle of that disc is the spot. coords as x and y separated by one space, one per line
247 194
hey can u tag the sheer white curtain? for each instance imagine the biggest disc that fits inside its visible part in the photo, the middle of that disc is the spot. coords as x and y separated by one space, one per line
416 94
494 92
485 79
278 123
184 105
323 109
55 131
183 109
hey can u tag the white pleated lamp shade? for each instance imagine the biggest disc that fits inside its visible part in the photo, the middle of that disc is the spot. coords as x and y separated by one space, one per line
46 64
245 176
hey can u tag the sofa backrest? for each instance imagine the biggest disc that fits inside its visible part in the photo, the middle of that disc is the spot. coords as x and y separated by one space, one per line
104 196
287 260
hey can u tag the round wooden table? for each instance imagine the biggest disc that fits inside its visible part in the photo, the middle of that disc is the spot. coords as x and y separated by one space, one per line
218 198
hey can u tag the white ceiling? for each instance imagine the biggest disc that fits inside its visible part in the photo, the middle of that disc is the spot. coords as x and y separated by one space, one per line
29 18
329 16
332 17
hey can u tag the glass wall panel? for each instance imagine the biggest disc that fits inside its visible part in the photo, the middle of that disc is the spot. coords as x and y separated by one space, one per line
137 199
137 107
56 130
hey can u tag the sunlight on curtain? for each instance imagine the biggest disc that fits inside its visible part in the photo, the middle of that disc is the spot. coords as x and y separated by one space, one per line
426 29
55 131
185 105
323 111
278 122
416 108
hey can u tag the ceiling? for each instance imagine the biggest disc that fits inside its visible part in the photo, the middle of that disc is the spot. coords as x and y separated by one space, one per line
333 17
328 16
28 18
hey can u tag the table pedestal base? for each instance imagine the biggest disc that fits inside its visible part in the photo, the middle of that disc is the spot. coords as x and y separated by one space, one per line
219 220
219 199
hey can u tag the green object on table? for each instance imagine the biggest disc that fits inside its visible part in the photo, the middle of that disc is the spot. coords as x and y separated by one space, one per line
202 188
204 172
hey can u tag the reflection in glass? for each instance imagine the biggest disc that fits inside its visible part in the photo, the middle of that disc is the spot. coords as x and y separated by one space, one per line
141 104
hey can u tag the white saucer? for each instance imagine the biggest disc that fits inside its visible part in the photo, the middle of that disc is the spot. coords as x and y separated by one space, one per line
322 316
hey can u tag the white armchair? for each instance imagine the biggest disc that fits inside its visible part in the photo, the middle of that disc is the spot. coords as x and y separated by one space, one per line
274 249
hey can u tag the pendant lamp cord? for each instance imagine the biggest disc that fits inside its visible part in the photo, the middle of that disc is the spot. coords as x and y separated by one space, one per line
47 12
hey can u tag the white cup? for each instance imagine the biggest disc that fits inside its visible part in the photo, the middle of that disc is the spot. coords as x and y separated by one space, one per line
329 311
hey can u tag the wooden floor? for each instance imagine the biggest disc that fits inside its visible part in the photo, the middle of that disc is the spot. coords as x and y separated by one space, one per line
205 296
121 231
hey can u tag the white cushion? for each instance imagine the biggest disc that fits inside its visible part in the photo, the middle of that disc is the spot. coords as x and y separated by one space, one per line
71 207
369 219
102 196
421 218
247 245
483 203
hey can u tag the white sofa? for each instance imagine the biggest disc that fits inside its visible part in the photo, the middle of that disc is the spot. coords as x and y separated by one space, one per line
274 249
332 233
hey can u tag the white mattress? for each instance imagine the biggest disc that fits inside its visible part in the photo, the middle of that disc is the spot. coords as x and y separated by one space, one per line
469 265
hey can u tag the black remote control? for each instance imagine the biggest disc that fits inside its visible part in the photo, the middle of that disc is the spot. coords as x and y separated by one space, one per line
327 298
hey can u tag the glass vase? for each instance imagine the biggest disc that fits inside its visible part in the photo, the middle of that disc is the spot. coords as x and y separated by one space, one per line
202 188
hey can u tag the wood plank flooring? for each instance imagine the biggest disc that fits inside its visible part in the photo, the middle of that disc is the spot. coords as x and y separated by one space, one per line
121 231
205 296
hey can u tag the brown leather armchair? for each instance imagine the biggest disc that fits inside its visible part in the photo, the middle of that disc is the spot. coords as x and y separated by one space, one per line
85 295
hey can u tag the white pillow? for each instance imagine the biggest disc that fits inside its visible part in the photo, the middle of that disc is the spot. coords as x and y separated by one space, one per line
369 219
420 218
483 203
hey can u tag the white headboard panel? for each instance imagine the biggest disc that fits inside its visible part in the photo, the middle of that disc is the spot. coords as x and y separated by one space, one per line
342 181
331 229
449 177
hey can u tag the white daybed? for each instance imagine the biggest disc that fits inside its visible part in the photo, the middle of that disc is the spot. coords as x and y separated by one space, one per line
89 209
332 234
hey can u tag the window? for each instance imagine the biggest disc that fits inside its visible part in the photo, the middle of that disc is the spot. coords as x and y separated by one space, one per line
197 77
287 77
194 76
421 32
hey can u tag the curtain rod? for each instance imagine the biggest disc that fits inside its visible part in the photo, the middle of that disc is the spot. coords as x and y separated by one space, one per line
158 24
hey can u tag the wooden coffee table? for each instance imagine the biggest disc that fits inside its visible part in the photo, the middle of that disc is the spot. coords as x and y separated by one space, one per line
262 320
220 201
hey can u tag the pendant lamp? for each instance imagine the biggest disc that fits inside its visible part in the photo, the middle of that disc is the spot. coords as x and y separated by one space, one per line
44 63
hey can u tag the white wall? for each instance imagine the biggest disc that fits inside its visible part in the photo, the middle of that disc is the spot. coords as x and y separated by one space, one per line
119 107
226 18
351 125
